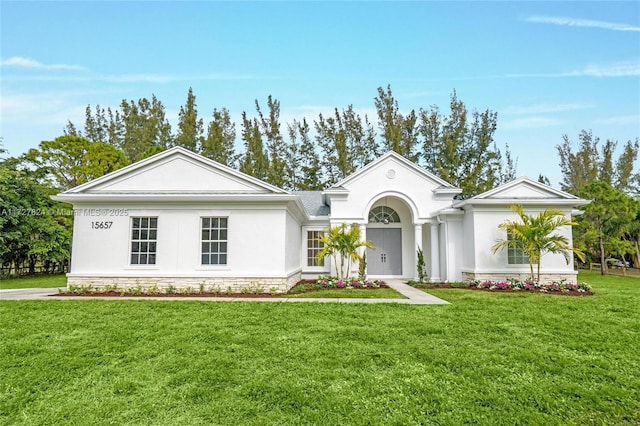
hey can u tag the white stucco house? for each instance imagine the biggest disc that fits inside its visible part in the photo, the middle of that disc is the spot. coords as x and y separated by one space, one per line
180 219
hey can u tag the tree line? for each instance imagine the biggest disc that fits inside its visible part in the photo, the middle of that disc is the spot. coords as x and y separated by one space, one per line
308 154
610 225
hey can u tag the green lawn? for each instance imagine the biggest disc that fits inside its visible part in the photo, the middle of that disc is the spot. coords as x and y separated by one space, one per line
353 293
486 359
34 282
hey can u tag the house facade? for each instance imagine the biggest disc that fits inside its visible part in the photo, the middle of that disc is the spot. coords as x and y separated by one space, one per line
180 219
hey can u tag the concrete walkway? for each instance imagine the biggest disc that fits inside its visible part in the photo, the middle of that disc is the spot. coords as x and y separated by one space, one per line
413 296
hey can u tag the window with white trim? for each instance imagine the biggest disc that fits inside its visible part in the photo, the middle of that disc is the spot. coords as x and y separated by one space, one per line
515 255
214 240
314 246
144 234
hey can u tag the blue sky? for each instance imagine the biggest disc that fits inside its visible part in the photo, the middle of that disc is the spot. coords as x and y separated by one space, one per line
546 68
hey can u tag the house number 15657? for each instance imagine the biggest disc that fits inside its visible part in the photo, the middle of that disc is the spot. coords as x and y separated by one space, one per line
101 225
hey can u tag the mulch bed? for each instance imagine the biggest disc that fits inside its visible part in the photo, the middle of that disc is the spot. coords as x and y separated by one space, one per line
510 290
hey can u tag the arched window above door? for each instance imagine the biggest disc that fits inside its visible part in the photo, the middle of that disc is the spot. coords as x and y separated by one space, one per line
383 214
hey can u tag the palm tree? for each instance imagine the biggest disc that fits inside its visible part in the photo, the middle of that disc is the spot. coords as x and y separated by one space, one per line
342 244
535 236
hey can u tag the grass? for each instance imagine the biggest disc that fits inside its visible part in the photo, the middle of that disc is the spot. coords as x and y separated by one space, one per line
34 282
486 358
353 293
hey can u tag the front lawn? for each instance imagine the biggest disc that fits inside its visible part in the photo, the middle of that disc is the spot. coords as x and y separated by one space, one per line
42 281
486 358
352 293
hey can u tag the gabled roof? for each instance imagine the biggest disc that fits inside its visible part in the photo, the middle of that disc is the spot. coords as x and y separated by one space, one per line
176 171
442 184
523 191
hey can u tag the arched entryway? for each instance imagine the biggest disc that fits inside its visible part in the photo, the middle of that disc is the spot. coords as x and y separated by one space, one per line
386 258
390 228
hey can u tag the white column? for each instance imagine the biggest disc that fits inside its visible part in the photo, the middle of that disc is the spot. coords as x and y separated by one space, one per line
435 253
418 240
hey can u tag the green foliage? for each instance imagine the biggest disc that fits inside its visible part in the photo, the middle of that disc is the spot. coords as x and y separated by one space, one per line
590 163
143 125
535 236
303 166
342 243
422 269
609 217
362 267
31 230
346 141
71 160
254 161
220 140
190 127
460 148
399 133
276 146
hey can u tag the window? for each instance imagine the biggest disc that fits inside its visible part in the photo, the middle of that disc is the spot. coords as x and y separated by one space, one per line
214 240
383 214
515 255
144 231
314 246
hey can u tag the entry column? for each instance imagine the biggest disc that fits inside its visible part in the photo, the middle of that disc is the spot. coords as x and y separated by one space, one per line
435 253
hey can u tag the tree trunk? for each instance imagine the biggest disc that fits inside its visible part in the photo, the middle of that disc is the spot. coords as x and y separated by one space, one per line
603 263
636 261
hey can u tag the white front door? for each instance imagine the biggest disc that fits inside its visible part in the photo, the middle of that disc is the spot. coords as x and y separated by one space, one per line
386 258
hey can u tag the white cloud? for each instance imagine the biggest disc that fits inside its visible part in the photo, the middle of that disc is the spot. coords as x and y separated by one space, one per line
45 108
619 69
544 108
530 123
576 22
19 61
130 78
624 119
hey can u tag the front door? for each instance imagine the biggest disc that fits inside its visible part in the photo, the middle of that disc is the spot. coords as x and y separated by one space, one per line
386 258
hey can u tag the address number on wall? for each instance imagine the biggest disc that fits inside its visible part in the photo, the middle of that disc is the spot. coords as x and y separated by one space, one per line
101 225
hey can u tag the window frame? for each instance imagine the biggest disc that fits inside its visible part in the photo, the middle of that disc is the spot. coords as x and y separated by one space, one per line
222 256
304 254
515 255
147 242
316 248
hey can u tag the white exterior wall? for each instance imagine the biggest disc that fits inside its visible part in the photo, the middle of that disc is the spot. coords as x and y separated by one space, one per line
453 249
486 221
468 242
370 187
256 248
293 256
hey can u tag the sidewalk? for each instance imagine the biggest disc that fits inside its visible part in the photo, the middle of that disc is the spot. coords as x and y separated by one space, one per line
413 296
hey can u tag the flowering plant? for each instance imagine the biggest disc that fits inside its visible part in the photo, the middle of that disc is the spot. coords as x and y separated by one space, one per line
530 285
333 282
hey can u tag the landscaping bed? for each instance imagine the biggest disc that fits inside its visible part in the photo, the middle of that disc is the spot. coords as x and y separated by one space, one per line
562 288
324 286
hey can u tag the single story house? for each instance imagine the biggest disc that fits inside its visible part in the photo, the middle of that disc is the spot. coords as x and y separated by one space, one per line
180 219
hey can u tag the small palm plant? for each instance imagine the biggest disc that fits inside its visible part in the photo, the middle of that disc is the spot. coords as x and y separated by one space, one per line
342 243
534 235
